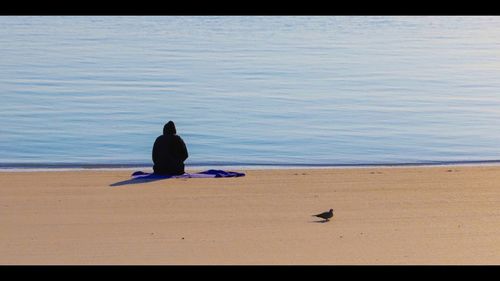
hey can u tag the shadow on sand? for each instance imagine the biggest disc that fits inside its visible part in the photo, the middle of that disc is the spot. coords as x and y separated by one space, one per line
138 180
323 221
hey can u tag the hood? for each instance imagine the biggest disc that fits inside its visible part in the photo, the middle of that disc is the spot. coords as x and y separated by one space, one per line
169 128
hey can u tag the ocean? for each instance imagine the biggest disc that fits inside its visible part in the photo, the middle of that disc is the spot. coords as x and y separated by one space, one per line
85 91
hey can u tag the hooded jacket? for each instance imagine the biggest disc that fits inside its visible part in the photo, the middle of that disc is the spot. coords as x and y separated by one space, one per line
169 152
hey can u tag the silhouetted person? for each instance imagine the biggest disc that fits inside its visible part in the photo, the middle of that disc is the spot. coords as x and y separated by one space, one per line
169 152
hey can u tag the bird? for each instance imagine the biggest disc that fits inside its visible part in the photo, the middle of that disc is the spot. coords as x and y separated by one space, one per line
326 215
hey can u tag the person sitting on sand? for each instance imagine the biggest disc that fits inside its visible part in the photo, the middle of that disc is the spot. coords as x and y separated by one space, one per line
169 152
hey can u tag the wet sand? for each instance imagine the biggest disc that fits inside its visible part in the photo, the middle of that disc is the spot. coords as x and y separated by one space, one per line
410 215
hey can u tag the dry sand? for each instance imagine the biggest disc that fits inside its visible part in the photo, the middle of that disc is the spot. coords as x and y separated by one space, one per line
411 215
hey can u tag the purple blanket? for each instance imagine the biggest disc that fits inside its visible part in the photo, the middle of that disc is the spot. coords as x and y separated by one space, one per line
204 174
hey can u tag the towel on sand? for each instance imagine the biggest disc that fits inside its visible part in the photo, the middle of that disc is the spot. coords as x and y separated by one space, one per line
204 174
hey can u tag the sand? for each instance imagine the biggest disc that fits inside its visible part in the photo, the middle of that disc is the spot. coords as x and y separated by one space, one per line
411 215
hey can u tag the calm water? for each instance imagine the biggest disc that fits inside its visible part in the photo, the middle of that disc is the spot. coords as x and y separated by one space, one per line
250 90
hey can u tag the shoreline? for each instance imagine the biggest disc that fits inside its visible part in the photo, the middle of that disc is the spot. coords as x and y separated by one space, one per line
62 168
408 215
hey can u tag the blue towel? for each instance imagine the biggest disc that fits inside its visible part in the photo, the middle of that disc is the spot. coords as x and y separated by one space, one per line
222 174
204 174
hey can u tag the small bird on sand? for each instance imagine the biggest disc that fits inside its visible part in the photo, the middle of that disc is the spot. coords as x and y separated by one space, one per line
326 215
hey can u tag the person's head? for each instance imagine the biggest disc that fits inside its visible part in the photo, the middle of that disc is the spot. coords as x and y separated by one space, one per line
169 128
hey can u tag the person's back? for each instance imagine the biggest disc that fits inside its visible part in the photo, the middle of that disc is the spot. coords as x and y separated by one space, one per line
169 152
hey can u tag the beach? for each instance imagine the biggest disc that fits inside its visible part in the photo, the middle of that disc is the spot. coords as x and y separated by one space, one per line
382 215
